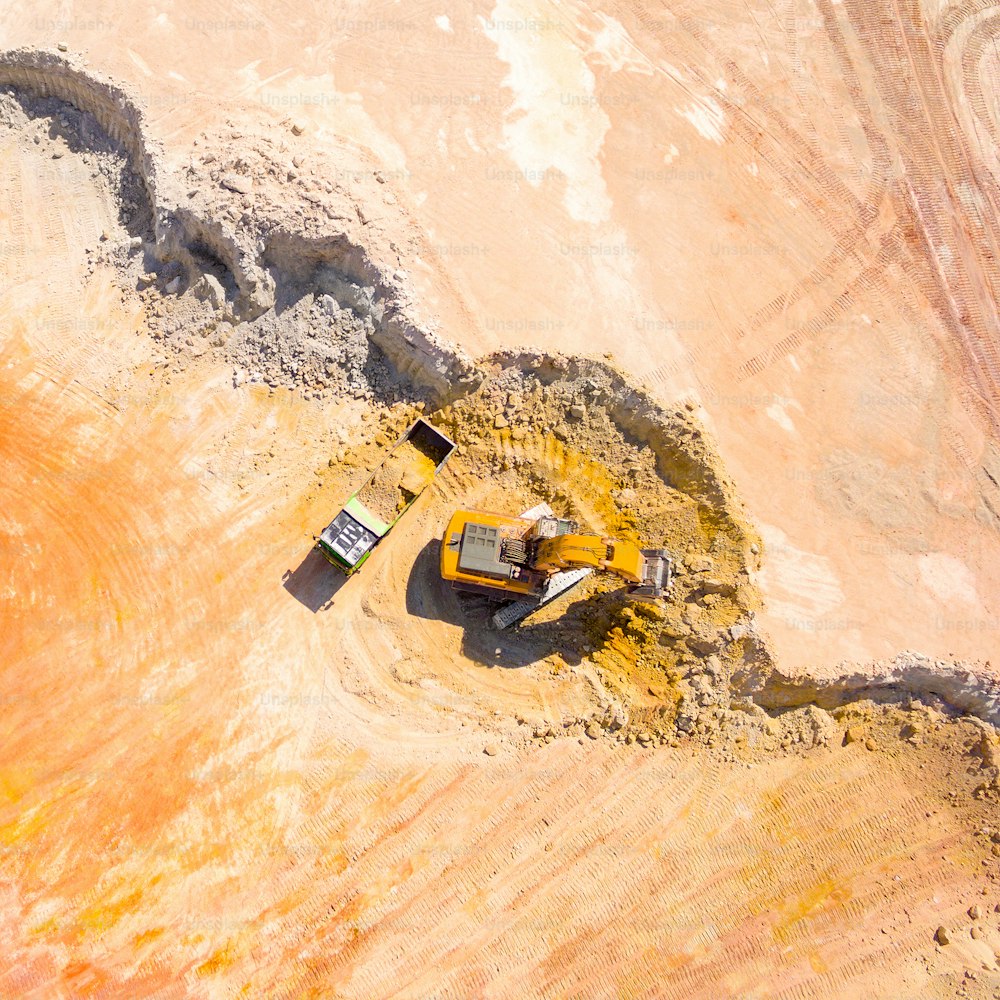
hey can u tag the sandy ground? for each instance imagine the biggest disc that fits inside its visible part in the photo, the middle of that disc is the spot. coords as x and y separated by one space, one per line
224 770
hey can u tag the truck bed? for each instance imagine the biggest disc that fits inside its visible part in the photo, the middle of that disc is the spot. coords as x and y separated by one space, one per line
416 458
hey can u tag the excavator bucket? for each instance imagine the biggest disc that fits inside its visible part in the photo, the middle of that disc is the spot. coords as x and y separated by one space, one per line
656 575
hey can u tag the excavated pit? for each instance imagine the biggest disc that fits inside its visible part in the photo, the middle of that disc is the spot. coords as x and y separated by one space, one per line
571 432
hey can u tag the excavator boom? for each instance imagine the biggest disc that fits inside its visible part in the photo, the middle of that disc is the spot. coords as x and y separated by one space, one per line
569 551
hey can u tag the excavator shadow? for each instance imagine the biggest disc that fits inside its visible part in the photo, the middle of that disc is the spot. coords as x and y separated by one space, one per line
430 597
314 582
427 595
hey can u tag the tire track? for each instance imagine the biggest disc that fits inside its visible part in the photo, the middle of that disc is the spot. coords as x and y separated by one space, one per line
984 34
950 213
806 174
864 212
955 17
890 251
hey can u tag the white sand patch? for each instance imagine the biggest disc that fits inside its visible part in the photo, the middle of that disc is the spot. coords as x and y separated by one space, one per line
138 61
443 23
947 578
780 416
8 526
471 140
706 116
554 124
801 586
612 48
671 154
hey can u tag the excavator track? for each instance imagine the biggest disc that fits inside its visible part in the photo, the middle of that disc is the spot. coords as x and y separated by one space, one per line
517 611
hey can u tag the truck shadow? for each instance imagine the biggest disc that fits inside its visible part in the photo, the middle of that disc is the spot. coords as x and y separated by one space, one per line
430 597
314 582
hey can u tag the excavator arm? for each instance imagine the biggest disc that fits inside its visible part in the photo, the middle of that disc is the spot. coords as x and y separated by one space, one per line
646 571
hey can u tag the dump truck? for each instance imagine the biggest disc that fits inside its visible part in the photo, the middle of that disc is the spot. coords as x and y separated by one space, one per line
371 513
526 562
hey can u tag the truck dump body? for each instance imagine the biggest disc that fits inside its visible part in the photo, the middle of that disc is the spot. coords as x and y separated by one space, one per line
402 476
368 516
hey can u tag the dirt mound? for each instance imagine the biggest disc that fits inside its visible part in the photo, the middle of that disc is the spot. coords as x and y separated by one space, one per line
256 223
397 481
545 429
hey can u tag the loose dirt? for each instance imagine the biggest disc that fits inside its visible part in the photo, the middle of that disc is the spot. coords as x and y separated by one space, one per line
400 478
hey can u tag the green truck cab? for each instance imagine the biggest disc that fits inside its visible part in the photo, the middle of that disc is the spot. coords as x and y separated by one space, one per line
370 513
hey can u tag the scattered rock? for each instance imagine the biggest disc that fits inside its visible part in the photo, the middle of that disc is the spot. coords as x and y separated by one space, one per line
941 936
713 666
854 734
698 564
974 912
578 411
653 610
870 744
491 749
237 183
209 289
702 645
593 730
500 421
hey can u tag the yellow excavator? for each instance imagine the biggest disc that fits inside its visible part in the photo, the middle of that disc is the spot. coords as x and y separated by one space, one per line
530 560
